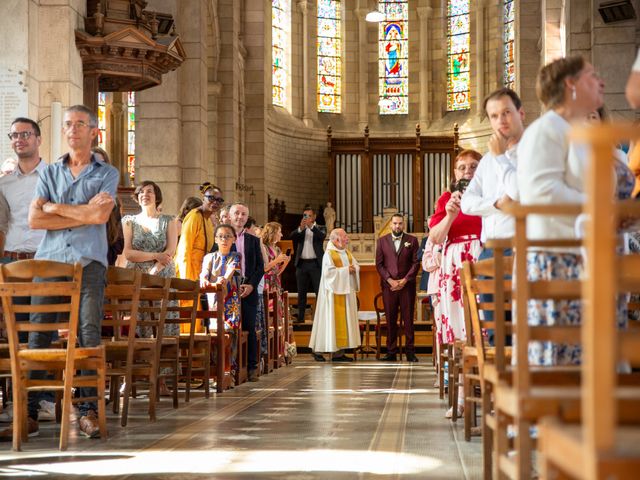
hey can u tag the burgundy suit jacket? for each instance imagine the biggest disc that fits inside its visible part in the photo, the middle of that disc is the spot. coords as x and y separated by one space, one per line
397 265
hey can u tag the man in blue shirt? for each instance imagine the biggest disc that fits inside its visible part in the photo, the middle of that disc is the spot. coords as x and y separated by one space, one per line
73 200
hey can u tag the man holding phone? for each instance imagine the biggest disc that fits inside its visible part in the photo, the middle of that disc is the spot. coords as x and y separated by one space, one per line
307 243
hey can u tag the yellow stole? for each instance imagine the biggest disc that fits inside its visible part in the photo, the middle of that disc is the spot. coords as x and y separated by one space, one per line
340 304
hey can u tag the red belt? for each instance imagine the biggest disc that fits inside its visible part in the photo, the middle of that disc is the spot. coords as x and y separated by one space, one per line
462 239
19 255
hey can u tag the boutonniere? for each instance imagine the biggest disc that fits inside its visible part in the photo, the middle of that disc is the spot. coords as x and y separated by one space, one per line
407 244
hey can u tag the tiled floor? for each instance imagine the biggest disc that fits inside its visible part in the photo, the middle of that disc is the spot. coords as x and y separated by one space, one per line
306 421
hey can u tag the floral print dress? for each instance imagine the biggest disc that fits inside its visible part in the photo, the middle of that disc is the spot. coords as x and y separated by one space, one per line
154 240
567 266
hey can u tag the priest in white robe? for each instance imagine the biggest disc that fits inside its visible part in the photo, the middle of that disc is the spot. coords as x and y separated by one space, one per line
335 324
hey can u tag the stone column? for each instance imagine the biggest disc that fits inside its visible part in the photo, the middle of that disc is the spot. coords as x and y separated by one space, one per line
303 5
424 15
363 69
52 70
117 137
480 57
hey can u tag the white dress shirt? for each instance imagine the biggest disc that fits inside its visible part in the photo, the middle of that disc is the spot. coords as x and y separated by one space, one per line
308 253
495 177
396 242
16 193
550 171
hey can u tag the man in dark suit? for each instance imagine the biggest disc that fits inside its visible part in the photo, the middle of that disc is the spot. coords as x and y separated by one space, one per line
252 266
307 242
397 265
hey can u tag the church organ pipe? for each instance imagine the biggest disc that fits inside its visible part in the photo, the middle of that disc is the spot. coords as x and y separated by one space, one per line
368 173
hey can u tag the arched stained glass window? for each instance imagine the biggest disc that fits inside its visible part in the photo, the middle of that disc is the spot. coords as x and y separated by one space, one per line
280 50
131 134
329 56
509 17
458 57
102 120
393 57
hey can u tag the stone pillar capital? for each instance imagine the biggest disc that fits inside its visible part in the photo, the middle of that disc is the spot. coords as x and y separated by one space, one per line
425 12
303 5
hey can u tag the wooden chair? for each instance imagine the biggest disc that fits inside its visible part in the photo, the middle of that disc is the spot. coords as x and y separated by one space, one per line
270 333
288 324
183 301
483 277
381 326
605 443
154 302
122 300
215 323
17 279
524 393
276 322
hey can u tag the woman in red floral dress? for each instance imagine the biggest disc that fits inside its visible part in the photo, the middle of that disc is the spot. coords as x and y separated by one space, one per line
460 235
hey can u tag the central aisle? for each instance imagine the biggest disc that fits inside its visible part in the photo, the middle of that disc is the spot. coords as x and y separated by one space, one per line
306 421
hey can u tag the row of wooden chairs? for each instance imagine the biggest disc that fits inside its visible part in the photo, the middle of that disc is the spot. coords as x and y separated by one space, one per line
134 302
586 415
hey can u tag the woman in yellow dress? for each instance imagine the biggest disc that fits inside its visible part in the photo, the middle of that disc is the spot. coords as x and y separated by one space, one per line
196 237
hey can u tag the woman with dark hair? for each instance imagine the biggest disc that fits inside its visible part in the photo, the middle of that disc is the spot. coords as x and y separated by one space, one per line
115 238
150 237
189 204
196 238
150 240
552 171
459 237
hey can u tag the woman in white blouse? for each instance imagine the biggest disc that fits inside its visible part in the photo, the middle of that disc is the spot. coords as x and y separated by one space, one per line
551 172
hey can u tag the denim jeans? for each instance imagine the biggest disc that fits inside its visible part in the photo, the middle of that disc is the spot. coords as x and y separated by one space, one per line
487 315
89 325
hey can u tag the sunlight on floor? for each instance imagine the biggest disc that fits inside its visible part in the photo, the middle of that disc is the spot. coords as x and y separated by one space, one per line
220 461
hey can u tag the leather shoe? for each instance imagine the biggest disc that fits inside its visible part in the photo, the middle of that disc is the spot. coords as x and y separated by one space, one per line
389 357
318 358
89 425
253 375
342 358
411 357
33 430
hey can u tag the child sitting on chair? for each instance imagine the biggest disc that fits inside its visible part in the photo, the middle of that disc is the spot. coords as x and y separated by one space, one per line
222 268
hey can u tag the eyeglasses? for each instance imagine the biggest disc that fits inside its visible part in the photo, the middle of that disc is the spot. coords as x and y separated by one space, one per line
213 198
19 135
78 125
224 237
471 167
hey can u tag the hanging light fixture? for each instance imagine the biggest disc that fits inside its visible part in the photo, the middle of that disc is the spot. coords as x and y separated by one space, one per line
374 14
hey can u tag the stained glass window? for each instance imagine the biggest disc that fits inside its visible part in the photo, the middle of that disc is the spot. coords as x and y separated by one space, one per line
102 120
509 44
393 57
280 49
131 133
329 56
458 39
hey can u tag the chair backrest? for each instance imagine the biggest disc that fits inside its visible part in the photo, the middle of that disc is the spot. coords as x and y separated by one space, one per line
50 282
154 299
482 278
122 299
183 300
525 289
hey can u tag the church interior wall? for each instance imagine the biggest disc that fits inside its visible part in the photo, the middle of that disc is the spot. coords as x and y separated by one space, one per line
213 119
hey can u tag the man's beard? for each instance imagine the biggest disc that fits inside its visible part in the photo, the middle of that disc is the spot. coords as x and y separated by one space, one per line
397 233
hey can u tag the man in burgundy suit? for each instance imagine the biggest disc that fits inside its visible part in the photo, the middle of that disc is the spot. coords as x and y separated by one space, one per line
397 265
